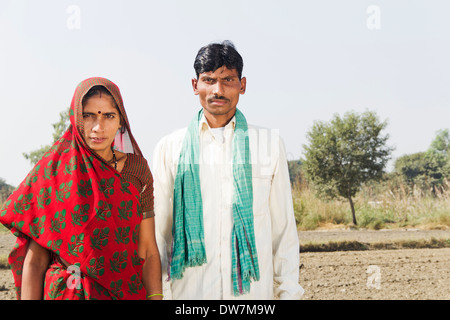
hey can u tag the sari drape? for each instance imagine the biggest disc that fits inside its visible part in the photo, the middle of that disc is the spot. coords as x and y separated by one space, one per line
81 209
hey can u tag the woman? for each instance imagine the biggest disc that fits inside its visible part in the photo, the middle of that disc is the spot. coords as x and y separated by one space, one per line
83 216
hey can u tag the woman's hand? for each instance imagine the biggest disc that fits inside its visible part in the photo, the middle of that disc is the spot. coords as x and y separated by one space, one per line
148 250
35 266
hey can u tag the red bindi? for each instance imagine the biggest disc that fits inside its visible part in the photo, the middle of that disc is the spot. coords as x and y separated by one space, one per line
99 112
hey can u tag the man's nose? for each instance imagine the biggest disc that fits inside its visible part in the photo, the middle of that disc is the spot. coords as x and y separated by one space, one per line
218 89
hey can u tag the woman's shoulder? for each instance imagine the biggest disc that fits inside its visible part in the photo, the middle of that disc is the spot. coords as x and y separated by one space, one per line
137 162
135 158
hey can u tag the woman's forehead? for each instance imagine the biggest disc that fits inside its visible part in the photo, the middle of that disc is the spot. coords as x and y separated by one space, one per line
100 104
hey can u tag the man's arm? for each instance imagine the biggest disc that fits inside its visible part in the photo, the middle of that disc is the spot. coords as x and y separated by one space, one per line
163 192
285 243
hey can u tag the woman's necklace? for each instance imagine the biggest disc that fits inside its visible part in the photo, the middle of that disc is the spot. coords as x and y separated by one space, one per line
114 159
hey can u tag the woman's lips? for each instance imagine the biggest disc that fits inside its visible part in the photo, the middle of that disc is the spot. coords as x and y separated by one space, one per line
97 140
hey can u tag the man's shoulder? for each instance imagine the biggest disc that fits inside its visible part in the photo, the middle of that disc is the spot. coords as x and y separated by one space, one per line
176 137
254 126
173 137
262 131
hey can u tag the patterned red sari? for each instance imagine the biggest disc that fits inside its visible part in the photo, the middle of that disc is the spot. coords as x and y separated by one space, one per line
81 209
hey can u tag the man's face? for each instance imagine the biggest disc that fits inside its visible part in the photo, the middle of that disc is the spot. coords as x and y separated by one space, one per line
219 91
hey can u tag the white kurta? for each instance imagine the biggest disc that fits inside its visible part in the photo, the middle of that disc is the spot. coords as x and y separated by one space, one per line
276 235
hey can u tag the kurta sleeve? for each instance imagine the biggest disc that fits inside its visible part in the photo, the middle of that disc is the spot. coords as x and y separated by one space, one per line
285 243
163 184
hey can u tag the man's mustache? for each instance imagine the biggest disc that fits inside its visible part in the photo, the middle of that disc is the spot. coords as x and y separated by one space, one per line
218 98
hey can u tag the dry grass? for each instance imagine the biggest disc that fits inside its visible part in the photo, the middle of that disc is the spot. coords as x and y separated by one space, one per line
377 206
3 228
4 262
386 245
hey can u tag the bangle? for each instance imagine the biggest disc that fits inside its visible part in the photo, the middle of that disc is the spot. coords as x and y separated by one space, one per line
155 294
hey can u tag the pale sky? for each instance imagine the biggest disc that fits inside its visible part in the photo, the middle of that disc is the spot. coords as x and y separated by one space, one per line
304 61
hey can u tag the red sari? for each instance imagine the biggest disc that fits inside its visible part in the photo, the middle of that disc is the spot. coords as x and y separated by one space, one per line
82 210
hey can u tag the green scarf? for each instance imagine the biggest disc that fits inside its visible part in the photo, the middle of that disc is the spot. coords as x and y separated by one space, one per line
188 247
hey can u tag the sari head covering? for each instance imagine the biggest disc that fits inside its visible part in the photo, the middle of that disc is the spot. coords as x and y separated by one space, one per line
78 207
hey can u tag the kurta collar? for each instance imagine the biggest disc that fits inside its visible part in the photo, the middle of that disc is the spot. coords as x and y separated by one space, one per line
203 124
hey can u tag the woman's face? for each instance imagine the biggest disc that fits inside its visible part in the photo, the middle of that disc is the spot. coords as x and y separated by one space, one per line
101 121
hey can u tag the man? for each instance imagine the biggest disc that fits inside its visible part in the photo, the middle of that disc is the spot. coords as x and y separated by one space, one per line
225 224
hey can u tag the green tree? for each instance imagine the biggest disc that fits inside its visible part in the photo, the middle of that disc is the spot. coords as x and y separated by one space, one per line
345 153
430 168
440 150
441 143
59 128
295 171
417 168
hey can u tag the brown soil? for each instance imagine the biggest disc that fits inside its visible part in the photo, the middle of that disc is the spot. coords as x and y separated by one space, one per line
412 274
7 292
407 274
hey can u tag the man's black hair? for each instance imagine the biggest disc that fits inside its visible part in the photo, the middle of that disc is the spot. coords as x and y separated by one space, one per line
215 55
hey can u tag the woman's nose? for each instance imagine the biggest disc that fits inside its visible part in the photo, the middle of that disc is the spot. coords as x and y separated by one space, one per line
98 125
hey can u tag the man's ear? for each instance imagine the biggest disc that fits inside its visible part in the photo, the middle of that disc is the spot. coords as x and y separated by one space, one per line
243 85
194 85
